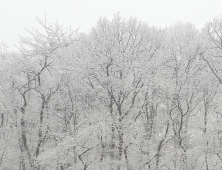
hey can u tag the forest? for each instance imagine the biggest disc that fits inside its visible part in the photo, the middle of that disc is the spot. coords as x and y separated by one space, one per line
125 96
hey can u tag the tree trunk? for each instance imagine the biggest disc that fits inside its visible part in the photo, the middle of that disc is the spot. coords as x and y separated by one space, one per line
183 163
24 145
206 105
40 128
120 147
126 159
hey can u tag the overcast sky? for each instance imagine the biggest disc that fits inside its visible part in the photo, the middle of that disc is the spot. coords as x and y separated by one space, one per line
15 15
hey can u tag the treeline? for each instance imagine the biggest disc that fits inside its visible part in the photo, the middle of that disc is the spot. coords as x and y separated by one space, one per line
125 96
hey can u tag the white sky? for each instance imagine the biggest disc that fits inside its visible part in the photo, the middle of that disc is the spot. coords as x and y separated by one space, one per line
15 15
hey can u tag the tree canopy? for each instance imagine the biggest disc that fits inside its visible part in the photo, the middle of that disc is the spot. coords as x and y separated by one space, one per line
125 96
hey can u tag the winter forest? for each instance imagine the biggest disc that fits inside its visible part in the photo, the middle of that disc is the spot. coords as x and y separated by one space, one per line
125 96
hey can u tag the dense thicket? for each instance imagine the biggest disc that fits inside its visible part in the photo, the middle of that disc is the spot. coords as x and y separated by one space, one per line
125 96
